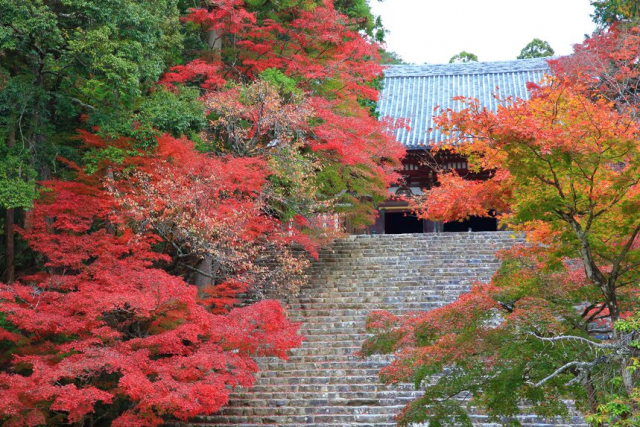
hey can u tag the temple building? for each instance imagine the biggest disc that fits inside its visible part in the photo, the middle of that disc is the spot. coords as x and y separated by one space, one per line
415 93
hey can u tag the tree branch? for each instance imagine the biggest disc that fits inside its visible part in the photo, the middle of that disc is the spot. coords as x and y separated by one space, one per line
81 103
615 268
593 315
197 270
574 338
582 366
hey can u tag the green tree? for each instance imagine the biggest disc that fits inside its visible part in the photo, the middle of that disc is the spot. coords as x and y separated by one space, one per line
391 58
79 64
360 12
608 12
536 48
463 57
63 60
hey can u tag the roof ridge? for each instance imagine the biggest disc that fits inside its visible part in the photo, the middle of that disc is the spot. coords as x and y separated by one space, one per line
469 68
394 76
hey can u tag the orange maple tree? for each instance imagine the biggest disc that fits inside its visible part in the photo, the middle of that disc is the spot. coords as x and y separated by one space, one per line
560 318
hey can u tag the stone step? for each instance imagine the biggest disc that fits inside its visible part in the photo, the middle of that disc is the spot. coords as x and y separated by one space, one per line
347 249
352 313
195 424
377 286
332 268
316 406
345 372
405 261
331 362
328 388
333 398
336 365
365 302
359 418
327 346
377 272
319 379
333 337
410 258
314 417
354 358
410 254
345 321
338 340
324 330
340 247
354 296
378 282
308 351
326 323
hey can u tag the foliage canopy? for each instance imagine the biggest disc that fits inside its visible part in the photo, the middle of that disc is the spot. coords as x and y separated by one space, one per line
536 48
463 57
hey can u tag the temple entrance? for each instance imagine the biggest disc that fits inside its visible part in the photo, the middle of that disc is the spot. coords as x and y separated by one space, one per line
397 219
475 223
402 223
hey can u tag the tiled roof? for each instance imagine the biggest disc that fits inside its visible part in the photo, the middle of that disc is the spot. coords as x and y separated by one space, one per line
413 91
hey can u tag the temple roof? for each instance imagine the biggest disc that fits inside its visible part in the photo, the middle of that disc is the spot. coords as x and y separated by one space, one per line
414 91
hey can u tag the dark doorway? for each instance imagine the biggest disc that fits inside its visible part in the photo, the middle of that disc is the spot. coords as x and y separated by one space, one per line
401 223
475 223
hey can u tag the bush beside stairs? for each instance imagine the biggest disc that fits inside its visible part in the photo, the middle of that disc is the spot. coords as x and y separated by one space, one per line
325 383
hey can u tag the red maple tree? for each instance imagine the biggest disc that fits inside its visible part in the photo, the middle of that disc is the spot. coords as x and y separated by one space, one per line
103 331
308 60
215 207
605 66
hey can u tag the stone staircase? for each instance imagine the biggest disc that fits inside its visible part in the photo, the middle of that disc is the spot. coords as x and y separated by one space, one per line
325 383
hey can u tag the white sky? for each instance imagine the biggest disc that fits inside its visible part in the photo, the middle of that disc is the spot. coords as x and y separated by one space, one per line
432 31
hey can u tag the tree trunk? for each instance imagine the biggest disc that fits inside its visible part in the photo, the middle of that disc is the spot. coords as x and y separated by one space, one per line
591 394
9 247
214 41
627 378
9 229
625 363
204 274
